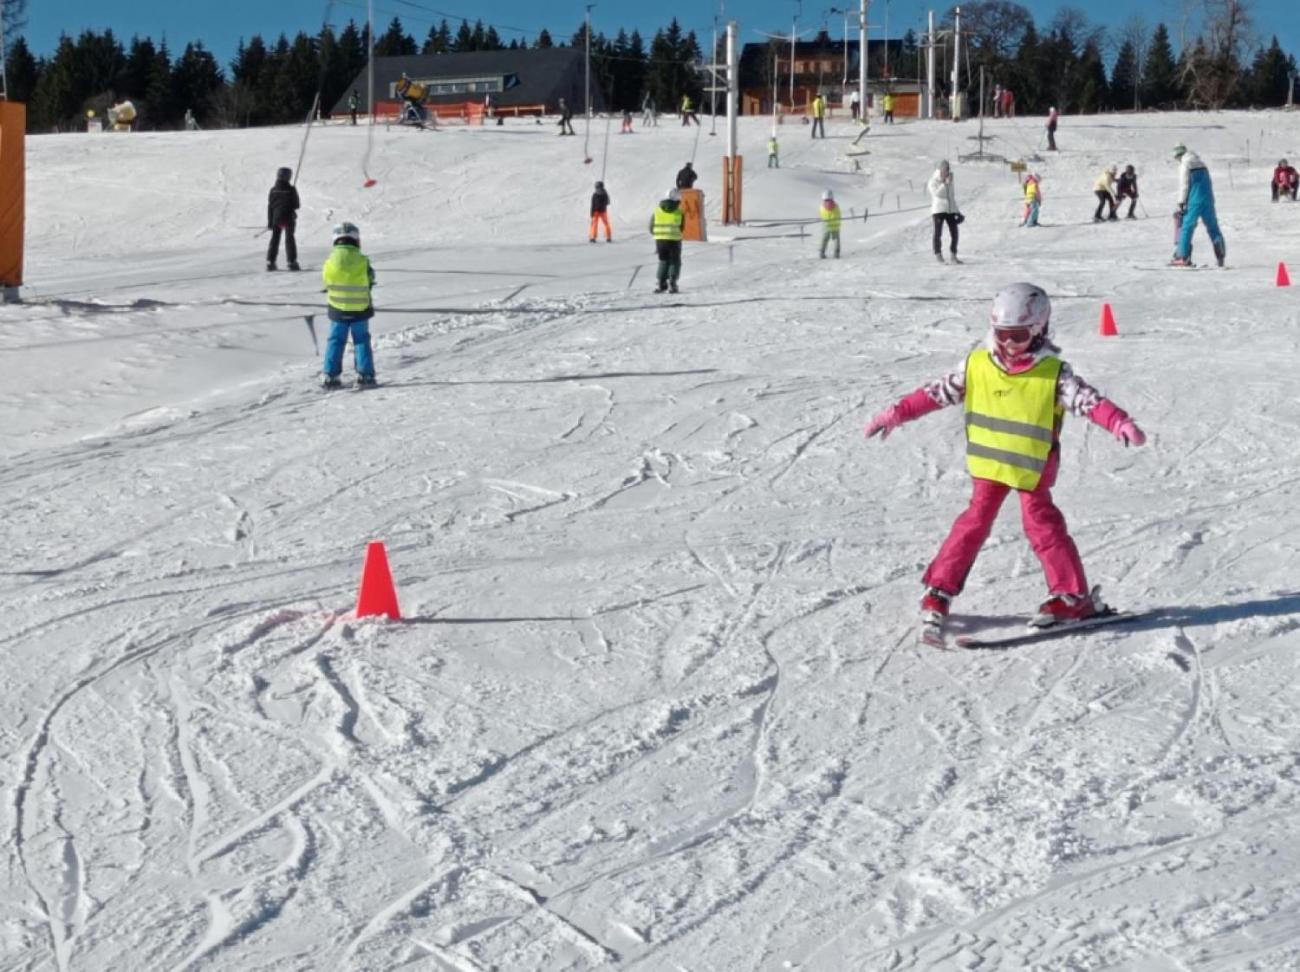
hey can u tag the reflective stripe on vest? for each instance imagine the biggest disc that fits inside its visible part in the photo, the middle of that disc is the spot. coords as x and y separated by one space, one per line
668 225
346 276
1011 420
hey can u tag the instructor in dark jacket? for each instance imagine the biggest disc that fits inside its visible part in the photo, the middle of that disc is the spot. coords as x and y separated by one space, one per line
281 217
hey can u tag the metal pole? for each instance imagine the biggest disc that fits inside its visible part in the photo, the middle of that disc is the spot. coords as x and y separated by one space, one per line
733 85
586 83
929 70
793 24
4 82
370 58
956 59
713 81
862 60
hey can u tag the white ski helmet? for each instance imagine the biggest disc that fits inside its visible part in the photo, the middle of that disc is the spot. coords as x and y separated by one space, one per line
1022 305
674 194
827 196
347 231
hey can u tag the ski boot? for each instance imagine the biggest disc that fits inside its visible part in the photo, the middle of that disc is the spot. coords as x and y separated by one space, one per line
270 265
1181 262
366 381
1220 251
934 616
330 381
939 257
1067 608
952 257
661 288
672 287
293 265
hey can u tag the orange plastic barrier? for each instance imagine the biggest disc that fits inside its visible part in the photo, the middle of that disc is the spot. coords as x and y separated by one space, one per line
13 129
693 225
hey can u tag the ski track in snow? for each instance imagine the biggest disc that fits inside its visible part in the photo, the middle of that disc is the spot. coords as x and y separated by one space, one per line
656 701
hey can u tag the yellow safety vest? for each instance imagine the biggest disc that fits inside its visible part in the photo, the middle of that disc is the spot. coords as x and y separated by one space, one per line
831 217
346 276
668 225
819 106
1031 191
1011 420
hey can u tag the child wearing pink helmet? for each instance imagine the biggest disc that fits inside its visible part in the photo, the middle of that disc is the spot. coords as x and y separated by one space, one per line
1016 390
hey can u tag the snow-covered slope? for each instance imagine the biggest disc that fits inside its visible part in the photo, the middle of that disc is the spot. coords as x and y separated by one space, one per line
655 703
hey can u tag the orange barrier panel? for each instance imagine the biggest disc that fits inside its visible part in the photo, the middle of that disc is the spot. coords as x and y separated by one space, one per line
13 129
693 227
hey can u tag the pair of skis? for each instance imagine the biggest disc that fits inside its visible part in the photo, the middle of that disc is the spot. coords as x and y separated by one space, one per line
934 636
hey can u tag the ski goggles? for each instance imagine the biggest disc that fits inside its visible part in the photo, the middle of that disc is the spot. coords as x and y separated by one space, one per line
1013 335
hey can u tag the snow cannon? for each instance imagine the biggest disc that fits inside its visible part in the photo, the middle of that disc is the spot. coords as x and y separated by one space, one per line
121 115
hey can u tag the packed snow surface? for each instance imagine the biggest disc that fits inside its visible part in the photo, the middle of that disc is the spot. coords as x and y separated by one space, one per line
655 701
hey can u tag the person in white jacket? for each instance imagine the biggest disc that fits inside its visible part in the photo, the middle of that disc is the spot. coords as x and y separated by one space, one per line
943 209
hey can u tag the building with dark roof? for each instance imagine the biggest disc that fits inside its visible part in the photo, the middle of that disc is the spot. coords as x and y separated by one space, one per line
541 76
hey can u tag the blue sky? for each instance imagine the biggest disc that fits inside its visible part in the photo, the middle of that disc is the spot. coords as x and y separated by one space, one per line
221 24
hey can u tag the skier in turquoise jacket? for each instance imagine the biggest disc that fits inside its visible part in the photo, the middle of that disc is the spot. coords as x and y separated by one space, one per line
1196 203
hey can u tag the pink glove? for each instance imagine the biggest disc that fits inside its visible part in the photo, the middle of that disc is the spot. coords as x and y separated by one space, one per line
1128 433
885 422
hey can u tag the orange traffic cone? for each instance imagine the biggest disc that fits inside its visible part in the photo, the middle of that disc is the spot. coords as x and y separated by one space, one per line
1107 322
377 594
1283 278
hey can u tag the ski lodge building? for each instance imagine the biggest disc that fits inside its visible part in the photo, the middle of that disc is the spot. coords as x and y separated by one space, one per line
507 82
820 65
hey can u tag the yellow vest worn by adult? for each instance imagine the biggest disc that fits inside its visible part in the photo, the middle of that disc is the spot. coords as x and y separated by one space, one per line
1011 420
668 224
831 218
346 276
819 106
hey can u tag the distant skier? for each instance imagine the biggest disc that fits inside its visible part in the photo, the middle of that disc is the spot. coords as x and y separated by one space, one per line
773 160
566 119
1285 181
348 278
1104 190
1033 199
354 102
666 228
281 218
943 210
819 116
600 213
688 111
1016 390
648 114
190 124
855 104
1128 189
887 104
686 177
1052 116
627 123
830 214
1195 203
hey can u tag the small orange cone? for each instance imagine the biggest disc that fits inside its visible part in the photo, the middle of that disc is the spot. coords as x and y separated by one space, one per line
1107 322
1283 278
377 594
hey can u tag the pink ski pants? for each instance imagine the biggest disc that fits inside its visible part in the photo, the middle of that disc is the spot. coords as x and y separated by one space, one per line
1044 526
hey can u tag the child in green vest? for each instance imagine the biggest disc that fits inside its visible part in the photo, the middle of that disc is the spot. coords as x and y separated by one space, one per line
830 214
772 161
1016 390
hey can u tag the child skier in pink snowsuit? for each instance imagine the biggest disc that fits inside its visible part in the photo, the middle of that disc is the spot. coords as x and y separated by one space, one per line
1016 390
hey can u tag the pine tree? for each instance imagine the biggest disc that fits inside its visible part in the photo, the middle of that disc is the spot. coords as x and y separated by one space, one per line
1124 79
133 82
544 40
1094 92
22 71
160 103
464 39
1160 88
1270 77
196 81
394 42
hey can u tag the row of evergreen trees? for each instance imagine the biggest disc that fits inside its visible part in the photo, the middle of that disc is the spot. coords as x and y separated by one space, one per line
277 83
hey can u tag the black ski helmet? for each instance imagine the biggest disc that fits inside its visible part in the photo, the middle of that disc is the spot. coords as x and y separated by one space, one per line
284 173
